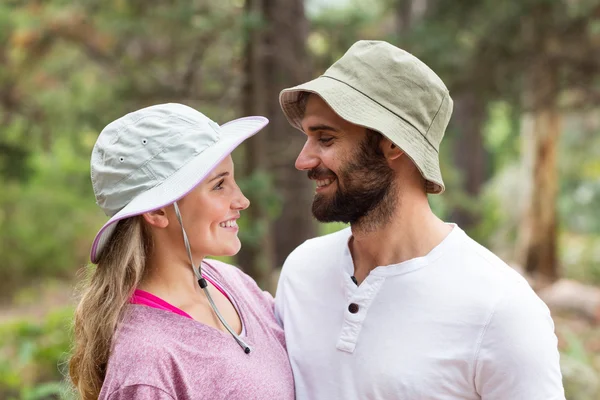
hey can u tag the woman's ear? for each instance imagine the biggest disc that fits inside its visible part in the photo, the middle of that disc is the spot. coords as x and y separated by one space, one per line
390 150
157 218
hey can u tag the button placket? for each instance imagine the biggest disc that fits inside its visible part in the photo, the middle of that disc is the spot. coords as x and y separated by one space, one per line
356 310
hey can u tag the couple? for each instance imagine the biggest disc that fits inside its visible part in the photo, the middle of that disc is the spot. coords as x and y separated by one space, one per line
399 306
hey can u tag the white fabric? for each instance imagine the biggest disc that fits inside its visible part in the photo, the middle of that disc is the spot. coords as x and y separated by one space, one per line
457 323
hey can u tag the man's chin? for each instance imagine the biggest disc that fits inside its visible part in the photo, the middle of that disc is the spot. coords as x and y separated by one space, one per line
323 212
320 210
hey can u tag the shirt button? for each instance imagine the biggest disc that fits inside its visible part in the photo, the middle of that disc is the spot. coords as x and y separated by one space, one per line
353 308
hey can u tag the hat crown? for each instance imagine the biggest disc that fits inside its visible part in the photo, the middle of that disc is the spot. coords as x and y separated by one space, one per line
399 82
140 150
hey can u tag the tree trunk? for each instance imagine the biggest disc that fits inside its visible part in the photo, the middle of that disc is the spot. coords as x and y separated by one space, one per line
276 59
404 15
469 152
256 257
537 244
289 67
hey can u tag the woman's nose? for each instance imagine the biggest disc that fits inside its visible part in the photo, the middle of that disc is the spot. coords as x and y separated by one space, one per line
241 202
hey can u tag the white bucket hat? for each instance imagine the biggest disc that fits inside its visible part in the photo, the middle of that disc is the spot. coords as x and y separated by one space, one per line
153 157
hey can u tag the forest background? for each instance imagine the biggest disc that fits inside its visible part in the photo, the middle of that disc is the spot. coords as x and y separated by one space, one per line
521 157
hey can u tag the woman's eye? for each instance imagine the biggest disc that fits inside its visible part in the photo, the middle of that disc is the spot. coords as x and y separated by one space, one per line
219 185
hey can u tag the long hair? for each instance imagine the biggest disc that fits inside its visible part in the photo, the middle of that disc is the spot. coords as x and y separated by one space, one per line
119 271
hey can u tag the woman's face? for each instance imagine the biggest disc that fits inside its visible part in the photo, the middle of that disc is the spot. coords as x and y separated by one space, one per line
210 213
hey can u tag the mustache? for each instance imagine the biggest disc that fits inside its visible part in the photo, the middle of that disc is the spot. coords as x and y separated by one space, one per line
320 173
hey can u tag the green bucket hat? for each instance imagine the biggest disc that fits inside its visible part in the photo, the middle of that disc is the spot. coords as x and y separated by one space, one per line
386 89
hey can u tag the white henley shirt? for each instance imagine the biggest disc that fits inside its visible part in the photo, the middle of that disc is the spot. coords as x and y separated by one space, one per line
457 323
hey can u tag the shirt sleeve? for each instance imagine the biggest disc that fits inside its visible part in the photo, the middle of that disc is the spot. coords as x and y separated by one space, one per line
139 392
279 299
518 356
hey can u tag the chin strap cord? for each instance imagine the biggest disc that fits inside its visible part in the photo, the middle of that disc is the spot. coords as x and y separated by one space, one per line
204 285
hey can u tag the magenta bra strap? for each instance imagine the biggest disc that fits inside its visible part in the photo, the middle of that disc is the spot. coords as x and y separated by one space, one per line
148 299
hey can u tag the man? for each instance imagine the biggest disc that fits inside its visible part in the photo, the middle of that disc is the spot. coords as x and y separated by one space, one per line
400 305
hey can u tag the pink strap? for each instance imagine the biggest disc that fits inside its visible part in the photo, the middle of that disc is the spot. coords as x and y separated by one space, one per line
148 299
219 288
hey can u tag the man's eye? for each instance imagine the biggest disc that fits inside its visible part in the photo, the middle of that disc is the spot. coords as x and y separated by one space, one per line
325 139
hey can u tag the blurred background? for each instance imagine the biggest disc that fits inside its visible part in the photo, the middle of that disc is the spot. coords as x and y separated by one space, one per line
521 157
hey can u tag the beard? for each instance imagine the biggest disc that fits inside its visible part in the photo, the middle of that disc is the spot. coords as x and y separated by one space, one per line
365 192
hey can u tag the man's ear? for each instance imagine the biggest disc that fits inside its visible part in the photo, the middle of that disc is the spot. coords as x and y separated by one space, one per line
157 218
390 150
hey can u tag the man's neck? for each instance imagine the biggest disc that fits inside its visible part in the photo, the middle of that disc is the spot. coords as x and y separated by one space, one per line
412 232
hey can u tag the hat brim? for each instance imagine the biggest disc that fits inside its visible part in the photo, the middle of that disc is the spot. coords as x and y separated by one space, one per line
184 180
359 109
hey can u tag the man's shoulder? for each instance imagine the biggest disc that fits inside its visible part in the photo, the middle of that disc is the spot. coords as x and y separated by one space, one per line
478 272
315 255
478 258
320 246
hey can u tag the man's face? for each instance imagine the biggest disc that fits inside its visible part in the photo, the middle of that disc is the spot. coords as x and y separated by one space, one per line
353 177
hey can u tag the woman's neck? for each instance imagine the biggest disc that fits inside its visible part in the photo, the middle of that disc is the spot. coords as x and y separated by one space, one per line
171 278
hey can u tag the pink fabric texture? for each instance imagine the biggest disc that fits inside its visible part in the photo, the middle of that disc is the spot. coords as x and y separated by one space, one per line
159 353
144 298
148 299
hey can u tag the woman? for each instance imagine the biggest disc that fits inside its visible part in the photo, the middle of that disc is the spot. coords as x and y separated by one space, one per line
157 320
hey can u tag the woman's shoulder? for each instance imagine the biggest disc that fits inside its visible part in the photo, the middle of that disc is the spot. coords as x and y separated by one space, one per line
143 347
237 280
227 273
143 327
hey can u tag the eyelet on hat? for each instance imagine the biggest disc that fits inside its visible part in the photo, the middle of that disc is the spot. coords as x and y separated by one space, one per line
144 141
121 159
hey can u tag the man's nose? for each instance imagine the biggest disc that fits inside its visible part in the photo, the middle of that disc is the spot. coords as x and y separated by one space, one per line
307 159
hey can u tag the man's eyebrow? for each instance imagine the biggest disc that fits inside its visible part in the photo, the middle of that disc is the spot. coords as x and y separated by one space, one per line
221 175
322 127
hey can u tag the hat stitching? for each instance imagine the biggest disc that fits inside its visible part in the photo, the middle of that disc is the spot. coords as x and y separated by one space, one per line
161 150
375 101
159 182
126 125
434 117
146 168
184 164
184 119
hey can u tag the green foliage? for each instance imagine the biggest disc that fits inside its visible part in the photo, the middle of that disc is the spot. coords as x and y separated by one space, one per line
580 255
581 381
33 357
67 70
580 173
326 229
46 222
259 186
335 29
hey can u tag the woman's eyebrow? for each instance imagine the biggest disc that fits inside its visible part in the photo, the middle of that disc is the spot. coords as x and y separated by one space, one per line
221 175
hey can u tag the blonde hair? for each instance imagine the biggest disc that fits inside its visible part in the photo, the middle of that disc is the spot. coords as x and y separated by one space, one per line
119 271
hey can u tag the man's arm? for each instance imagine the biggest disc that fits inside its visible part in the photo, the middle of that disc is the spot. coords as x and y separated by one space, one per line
279 298
517 355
